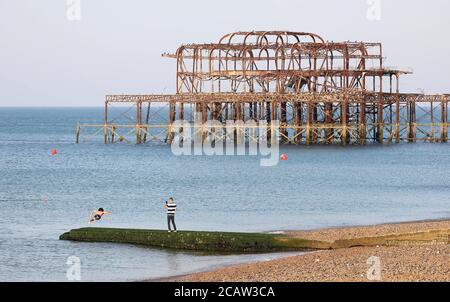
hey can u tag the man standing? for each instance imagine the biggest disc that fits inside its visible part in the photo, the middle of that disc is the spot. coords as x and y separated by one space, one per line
171 208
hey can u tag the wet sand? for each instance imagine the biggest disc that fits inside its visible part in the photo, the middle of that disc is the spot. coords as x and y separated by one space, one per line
408 262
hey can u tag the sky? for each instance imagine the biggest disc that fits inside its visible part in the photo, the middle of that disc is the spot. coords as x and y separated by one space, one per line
49 59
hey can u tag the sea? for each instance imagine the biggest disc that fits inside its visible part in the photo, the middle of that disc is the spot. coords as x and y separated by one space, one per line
44 195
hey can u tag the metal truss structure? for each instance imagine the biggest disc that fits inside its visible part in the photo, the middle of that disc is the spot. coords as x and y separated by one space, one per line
320 93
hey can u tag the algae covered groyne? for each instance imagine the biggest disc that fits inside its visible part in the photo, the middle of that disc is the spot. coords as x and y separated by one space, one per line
246 242
195 241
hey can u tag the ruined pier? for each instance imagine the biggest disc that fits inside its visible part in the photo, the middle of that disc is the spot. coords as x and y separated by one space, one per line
319 92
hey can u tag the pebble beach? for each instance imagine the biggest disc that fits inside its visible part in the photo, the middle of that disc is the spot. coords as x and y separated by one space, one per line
411 262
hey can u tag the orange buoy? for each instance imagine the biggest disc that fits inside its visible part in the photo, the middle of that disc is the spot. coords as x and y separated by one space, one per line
284 157
54 152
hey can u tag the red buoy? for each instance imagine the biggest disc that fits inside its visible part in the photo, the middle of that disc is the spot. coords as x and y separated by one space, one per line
54 152
284 157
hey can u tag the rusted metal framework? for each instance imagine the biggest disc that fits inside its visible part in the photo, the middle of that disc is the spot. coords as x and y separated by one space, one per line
320 92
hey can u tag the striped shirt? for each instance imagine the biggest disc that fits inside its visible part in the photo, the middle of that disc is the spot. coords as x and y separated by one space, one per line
171 208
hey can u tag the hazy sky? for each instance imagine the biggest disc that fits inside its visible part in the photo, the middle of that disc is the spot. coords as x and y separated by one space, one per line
47 60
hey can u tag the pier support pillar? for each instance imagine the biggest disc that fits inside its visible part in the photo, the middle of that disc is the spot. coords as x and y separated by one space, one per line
105 127
362 123
444 120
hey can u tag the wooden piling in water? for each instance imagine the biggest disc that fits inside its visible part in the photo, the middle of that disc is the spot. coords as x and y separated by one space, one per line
77 133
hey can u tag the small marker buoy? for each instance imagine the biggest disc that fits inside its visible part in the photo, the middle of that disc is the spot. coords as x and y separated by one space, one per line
54 152
284 157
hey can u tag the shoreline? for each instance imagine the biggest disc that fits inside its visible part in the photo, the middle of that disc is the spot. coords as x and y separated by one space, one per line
405 261
176 278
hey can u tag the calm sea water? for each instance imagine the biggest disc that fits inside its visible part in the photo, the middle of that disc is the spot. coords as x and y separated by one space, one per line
42 196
